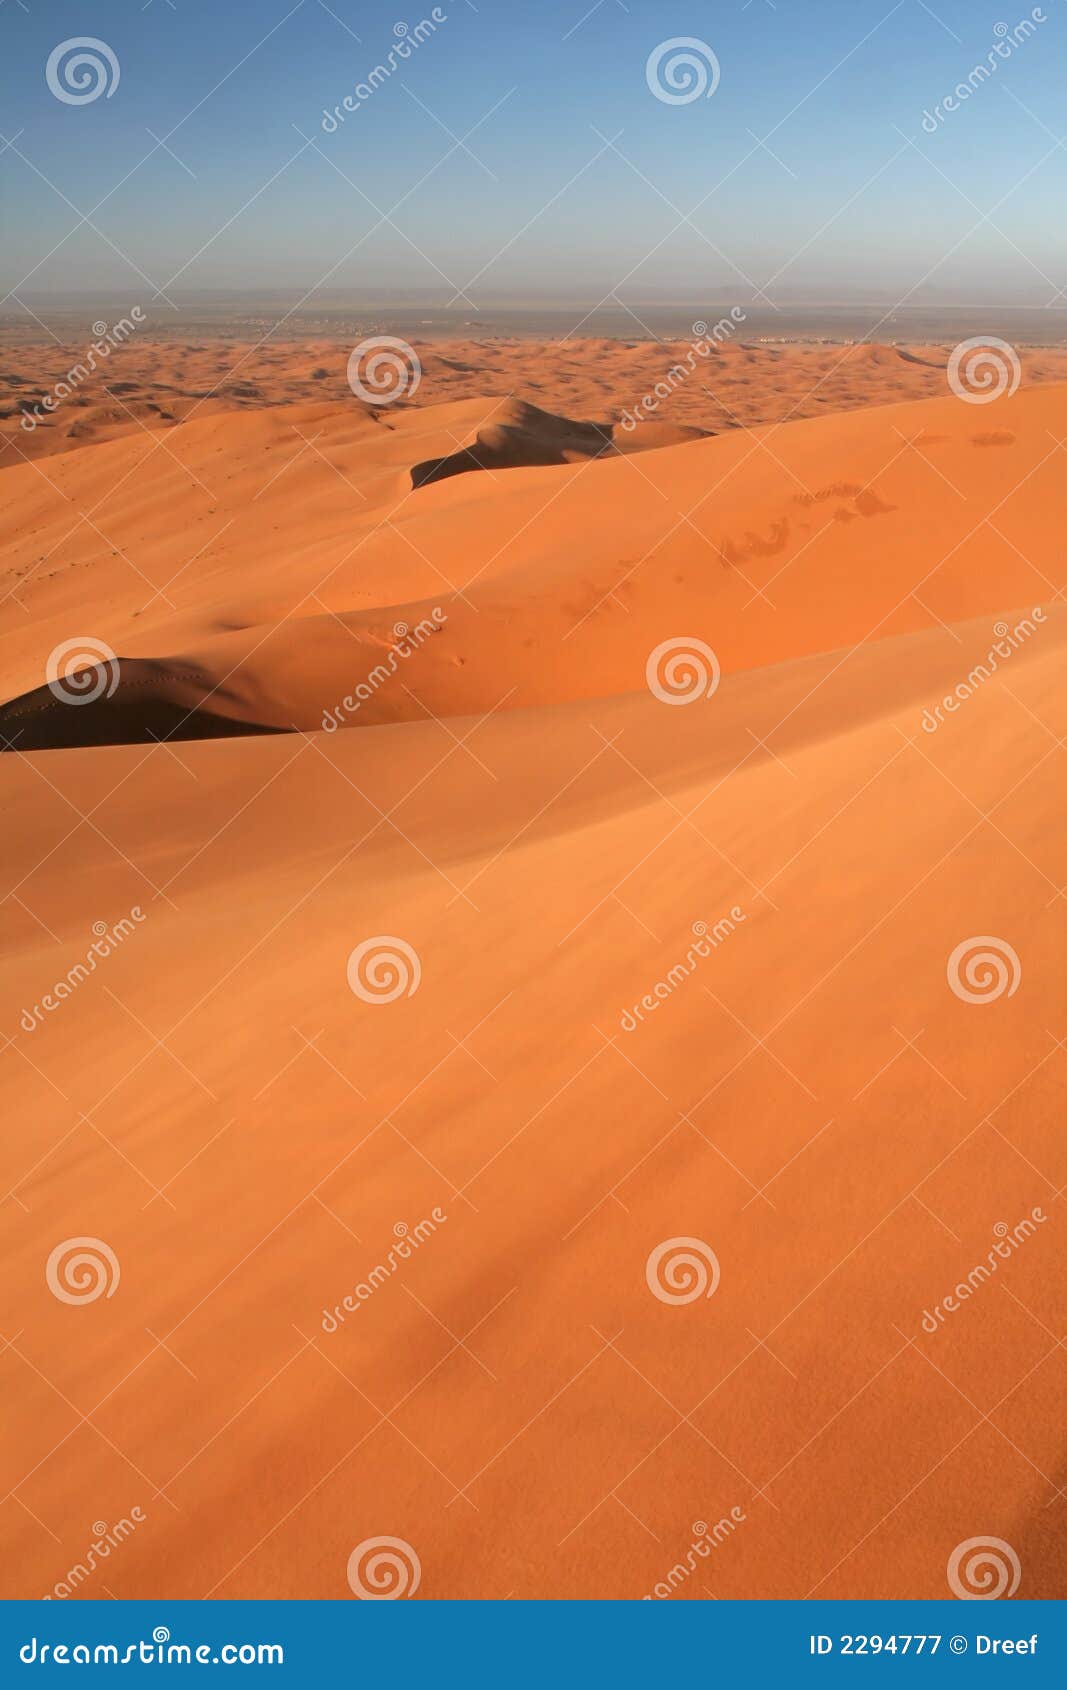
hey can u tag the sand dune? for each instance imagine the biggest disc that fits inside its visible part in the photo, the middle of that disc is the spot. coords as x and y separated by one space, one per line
807 1096
767 545
519 436
738 384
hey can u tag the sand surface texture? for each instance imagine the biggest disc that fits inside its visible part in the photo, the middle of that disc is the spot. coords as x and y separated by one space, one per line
547 903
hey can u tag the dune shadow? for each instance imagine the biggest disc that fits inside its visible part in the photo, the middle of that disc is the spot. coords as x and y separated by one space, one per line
138 712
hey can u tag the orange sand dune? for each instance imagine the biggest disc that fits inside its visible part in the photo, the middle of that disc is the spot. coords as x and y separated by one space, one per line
674 971
766 544
155 383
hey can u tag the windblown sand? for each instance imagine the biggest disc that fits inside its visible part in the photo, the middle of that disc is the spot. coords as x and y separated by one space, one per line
811 1100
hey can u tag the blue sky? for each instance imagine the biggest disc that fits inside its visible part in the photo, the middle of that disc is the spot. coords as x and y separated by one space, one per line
836 89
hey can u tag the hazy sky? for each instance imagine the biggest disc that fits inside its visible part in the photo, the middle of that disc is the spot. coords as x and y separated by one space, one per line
574 174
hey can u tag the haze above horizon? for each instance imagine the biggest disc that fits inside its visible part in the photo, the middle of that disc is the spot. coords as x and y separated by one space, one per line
772 154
